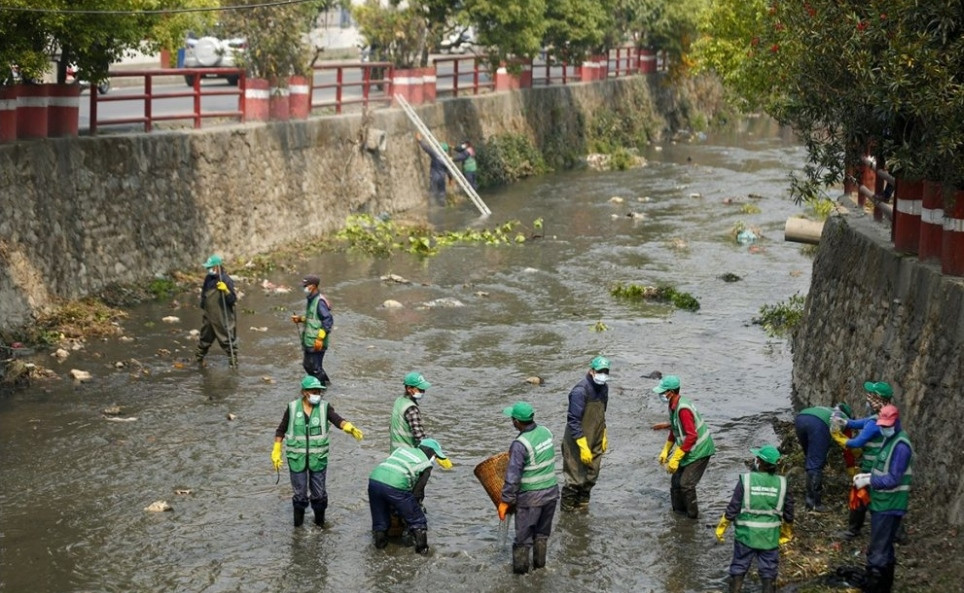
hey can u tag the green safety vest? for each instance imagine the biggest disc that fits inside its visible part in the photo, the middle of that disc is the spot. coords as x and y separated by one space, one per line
704 446
539 471
758 524
821 412
402 468
311 444
470 165
313 324
401 432
871 450
896 498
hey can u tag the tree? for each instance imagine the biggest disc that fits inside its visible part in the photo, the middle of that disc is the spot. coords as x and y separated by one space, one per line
575 28
508 29
406 33
275 37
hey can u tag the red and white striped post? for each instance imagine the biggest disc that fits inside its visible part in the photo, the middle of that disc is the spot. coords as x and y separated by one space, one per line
410 84
429 84
931 222
952 250
299 98
256 96
647 61
63 109
868 178
8 113
279 103
32 111
907 211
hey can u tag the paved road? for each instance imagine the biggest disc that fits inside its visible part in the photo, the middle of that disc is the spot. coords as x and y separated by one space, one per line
126 102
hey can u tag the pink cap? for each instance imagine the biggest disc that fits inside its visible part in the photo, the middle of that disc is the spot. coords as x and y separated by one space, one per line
888 416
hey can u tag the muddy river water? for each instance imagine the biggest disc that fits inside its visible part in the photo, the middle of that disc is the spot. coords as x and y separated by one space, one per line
74 485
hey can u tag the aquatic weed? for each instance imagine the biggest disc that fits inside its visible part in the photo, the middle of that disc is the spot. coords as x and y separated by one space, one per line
782 318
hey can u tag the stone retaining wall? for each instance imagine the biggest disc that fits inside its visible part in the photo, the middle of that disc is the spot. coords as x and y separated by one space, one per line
80 214
874 314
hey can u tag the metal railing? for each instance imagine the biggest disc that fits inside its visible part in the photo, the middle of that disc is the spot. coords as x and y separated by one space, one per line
450 83
373 79
554 73
149 115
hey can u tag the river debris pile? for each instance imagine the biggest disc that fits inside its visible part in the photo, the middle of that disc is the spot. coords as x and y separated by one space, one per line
663 294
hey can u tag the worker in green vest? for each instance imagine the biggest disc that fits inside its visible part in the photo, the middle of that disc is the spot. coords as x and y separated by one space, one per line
585 440
762 509
390 488
531 488
890 484
406 428
304 430
316 333
694 447
812 426
465 154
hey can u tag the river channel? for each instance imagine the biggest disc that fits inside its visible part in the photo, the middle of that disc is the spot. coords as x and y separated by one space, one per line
75 485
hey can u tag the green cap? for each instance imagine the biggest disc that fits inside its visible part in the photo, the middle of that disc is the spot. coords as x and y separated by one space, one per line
847 411
212 261
667 383
434 446
599 363
521 411
880 388
445 146
767 453
310 382
417 381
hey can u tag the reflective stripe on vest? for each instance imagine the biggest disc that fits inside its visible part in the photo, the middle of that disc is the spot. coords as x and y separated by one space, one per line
313 323
539 471
704 446
402 468
896 498
758 524
303 444
871 449
401 432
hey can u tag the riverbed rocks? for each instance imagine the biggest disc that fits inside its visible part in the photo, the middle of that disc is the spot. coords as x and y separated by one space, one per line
80 376
158 506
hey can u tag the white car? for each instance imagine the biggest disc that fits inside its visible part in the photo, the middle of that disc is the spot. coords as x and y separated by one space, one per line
211 52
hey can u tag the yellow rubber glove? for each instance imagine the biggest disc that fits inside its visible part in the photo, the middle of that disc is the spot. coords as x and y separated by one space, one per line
786 533
585 455
664 454
673 464
605 441
222 286
276 455
350 429
721 528
839 438
503 509
444 463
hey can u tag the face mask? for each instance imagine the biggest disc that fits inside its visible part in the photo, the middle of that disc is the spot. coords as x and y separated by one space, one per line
756 465
213 272
600 378
307 290
664 397
314 399
887 431
418 395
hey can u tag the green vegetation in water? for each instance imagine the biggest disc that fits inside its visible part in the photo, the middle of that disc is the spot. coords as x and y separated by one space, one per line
821 207
665 294
162 288
505 158
750 209
375 236
600 327
625 128
74 320
730 277
783 318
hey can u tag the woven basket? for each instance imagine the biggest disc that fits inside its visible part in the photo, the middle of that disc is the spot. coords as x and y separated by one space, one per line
491 474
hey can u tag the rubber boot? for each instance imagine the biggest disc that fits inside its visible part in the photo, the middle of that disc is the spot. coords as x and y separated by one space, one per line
736 583
320 517
299 516
887 579
676 499
421 540
689 500
872 582
381 539
768 586
539 548
854 522
520 559
199 354
569 499
814 486
583 501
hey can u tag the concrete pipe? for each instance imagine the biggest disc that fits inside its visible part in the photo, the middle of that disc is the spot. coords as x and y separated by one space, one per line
801 230
376 141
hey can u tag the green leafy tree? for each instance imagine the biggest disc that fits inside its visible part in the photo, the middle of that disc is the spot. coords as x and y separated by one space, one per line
667 25
508 29
406 33
576 28
275 36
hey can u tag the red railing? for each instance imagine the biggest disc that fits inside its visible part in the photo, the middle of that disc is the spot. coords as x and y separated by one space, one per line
624 61
462 66
149 97
554 73
373 78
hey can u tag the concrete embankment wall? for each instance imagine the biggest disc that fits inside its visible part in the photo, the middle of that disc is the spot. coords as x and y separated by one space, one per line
874 314
78 215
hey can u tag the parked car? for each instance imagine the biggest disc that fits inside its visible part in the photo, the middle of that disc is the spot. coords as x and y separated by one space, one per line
211 52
